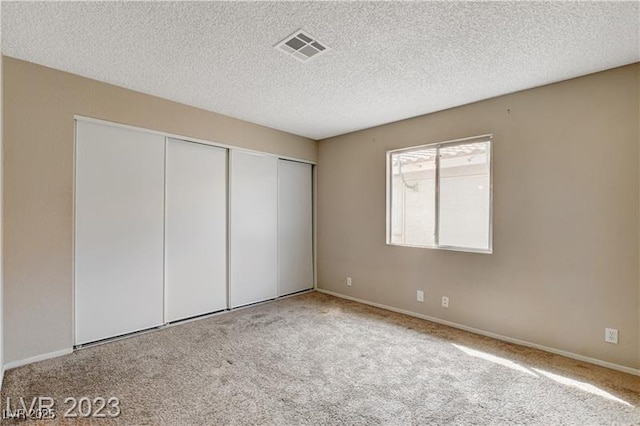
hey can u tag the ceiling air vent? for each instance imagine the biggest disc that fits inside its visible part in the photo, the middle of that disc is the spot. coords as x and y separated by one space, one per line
302 46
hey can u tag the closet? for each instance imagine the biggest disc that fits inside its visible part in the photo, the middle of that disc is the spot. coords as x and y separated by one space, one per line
168 229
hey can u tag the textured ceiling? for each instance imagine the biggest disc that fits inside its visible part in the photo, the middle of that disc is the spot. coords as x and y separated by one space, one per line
388 60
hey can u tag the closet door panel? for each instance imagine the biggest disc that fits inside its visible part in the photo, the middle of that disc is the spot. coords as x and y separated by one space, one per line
119 227
196 229
295 229
253 228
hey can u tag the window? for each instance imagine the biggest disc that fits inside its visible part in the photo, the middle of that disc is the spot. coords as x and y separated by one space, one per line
439 195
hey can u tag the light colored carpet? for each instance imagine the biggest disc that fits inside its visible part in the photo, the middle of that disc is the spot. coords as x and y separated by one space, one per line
316 359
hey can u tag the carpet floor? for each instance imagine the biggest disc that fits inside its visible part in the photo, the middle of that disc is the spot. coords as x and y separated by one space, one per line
319 360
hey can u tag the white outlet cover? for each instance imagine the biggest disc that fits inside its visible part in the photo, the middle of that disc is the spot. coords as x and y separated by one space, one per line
611 335
445 302
349 281
420 296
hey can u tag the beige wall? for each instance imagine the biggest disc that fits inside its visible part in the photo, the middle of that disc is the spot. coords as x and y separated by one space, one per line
39 104
566 218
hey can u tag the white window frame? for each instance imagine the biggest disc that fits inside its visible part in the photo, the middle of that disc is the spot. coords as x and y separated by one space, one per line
438 146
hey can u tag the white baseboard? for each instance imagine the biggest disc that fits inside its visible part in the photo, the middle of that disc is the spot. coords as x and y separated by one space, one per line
571 355
1 376
21 362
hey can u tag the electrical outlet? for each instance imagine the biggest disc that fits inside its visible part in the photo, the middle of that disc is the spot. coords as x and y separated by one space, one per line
611 335
445 302
349 281
420 296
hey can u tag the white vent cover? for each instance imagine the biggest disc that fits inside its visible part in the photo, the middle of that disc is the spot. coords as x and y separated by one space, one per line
302 46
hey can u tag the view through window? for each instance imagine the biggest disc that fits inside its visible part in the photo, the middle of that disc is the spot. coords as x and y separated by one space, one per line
439 195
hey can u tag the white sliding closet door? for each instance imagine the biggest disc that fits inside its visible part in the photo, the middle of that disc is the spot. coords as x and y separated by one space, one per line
295 229
196 229
253 228
119 231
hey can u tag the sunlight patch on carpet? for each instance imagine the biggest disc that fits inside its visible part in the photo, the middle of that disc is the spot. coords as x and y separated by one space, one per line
495 359
587 387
